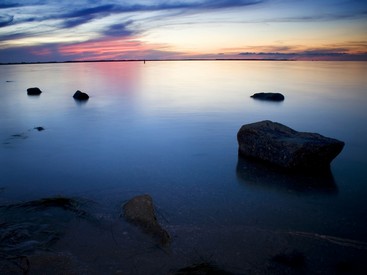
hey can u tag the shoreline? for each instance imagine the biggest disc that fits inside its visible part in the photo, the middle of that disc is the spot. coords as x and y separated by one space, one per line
139 60
164 60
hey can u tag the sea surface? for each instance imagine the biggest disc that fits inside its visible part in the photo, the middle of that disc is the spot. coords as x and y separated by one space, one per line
168 129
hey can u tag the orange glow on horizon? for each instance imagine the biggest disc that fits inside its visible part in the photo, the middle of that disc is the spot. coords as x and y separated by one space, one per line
102 48
115 49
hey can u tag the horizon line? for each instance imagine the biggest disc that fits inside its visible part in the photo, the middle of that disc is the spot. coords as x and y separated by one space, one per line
155 60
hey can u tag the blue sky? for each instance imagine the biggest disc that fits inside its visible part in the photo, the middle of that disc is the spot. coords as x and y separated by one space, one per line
49 30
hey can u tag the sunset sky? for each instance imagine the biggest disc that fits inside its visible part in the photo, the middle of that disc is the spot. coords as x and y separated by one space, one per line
55 30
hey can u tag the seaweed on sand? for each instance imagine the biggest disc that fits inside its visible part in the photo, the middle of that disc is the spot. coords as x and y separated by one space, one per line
69 204
26 227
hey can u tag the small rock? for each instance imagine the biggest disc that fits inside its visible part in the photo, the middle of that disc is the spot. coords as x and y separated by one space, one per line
280 145
140 211
268 96
34 91
78 95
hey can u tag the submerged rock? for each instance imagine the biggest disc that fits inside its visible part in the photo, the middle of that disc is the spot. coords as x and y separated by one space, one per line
140 211
78 95
39 128
282 146
34 91
269 96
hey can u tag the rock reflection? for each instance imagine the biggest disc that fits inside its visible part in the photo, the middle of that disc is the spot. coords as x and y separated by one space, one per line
80 102
260 175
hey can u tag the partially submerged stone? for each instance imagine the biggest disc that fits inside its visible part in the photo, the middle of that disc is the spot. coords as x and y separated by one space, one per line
39 128
140 211
268 96
282 146
78 95
34 91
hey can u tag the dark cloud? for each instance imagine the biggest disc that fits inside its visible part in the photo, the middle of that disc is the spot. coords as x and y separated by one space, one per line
119 30
82 16
41 53
5 20
71 23
8 5
13 36
322 54
321 17
219 4
267 55
199 5
103 9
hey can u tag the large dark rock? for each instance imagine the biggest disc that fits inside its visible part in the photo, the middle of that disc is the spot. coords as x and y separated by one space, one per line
282 146
269 96
34 91
140 211
78 95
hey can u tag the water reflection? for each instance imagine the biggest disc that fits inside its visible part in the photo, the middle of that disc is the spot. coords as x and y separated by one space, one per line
79 102
255 174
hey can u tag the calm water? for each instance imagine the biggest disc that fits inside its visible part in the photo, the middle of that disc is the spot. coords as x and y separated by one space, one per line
169 129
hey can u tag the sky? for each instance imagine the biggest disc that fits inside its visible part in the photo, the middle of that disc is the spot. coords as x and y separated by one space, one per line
69 30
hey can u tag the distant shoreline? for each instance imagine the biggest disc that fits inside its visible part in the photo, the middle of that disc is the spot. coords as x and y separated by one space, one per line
158 60
139 60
